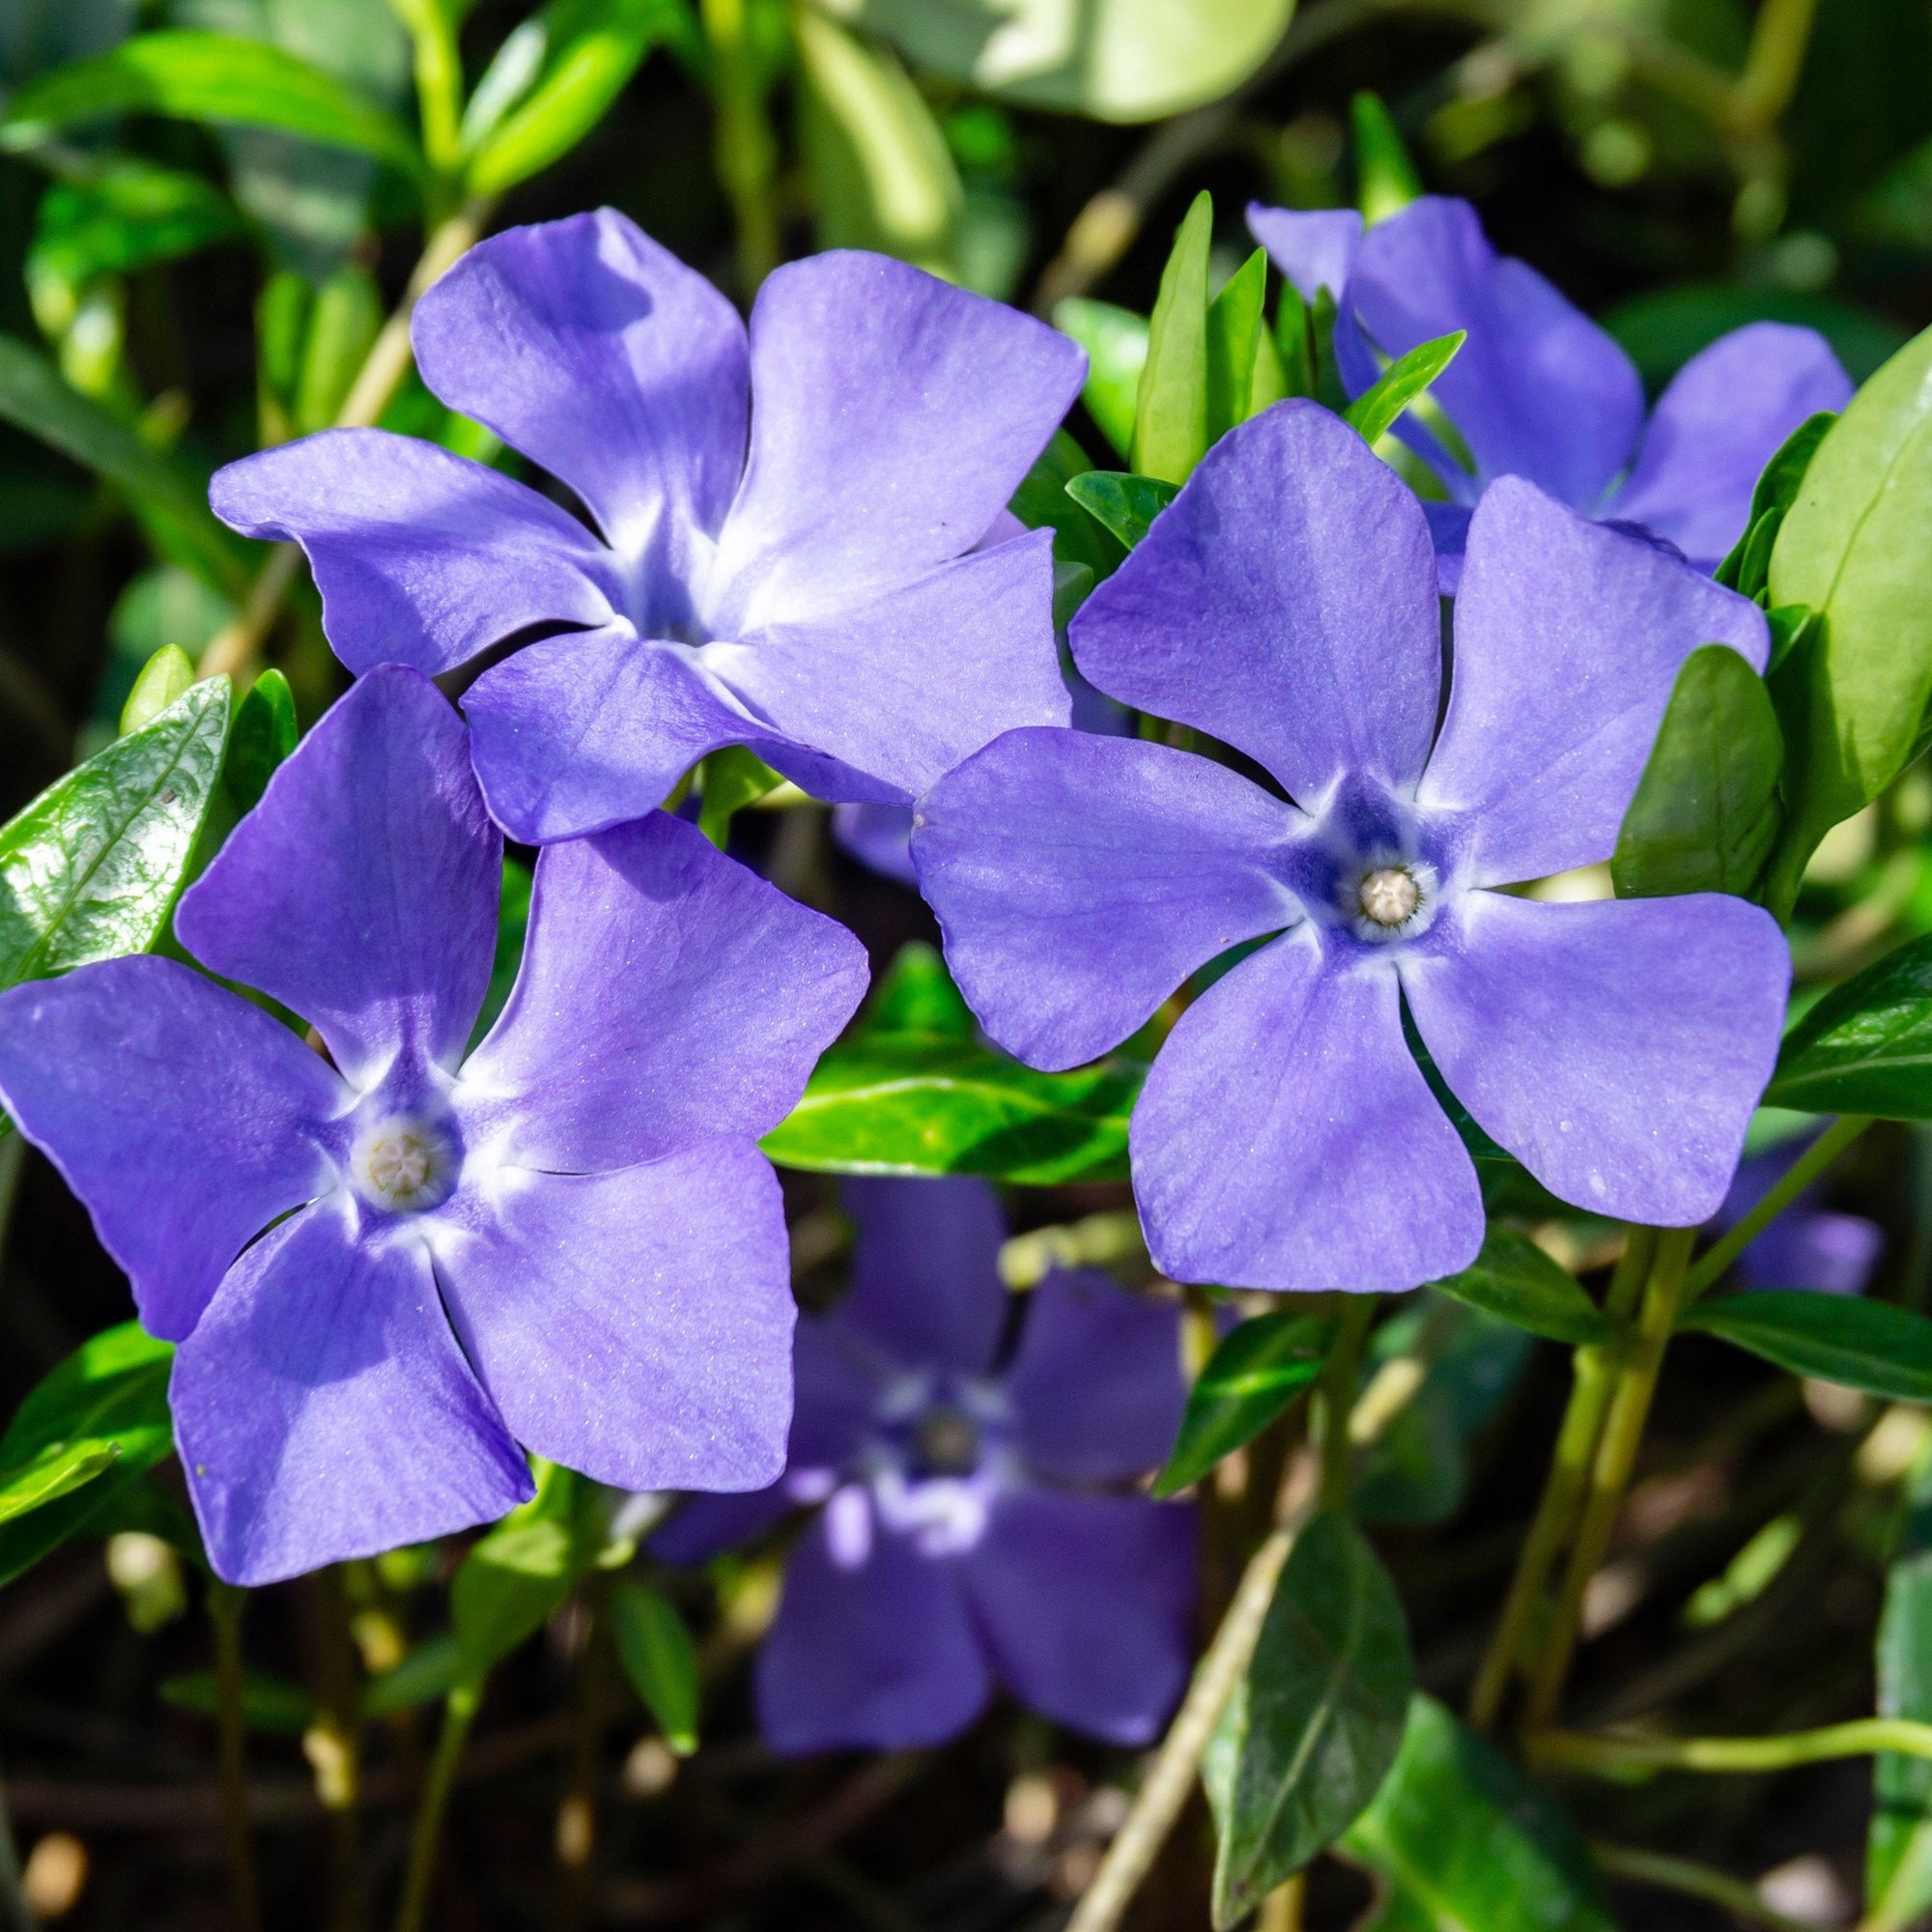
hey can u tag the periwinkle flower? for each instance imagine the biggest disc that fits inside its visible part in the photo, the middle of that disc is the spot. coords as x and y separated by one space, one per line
1806 1245
799 543
1284 603
389 1267
1538 391
970 1526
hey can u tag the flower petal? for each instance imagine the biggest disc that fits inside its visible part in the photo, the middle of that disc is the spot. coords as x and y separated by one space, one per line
1096 1384
707 1525
904 688
1537 389
633 1325
1569 635
1285 1137
1086 1602
601 356
186 1118
668 996
1080 879
1716 426
1286 602
926 1269
422 558
362 891
894 416
324 1411
1615 1047
1314 248
1813 1247
876 1655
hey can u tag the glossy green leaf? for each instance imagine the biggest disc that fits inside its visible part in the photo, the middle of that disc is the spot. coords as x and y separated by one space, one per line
1463 1842
1898 1845
1747 568
58 1470
272 1704
1316 1722
91 868
1852 548
1254 1371
1170 404
1874 1345
1234 330
553 80
660 1660
1706 812
1513 1278
198 76
1124 505
428 1672
917 1094
1385 178
1866 1046
1116 342
1041 502
263 734
1374 412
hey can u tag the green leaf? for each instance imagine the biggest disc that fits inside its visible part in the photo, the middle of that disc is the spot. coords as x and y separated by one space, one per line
342 324
166 676
911 1091
1254 1371
1041 502
1385 178
1898 1846
1514 1279
1234 330
1851 546
729 780
660 1660
916 995
1662 330
264 734
58 1470
1124 505
1873 1345
1316 1722
553 80
196 76
270 1703
1866 1046
1374 412
1116 342
92 868
509 1585
1706 813
428 1672
1745 568
1463 1842
1170 404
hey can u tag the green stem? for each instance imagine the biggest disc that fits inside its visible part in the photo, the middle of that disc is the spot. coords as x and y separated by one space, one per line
1564 1488
1779 37
1642 1359
426 1839
1340 1376
333 1744
1797 1177
1578 1751
225 1604
1694 1881
439 70
746 149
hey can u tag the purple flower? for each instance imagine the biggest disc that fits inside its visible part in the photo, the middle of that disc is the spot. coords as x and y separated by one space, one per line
1806 1246
1286 1137
968 1530
1540 391
567 1239
800 538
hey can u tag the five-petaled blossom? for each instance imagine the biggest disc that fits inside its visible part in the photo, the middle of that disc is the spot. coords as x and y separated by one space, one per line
799 543
389 1267
1538 392
1285 1137
972 1527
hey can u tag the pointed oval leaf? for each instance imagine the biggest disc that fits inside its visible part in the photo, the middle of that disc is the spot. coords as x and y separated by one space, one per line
507 1588
660 1660
270 1703
1515 1279
1041 502
1251 1378
1116 342
1123 503
1170 404
428 1672
1873 1345
1374 412
58 1470
1866 1046
1386 179
1235 330
1745 569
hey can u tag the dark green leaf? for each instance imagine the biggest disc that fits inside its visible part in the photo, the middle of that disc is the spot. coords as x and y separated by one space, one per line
1124 505
1385 178
264 734
1866 1046
196 76
1116 342
270 1703
92 868
1233 338
1376 408
1041 502
1317 1720
342 324
1873 1345
428 1672
1745 568
1462 1841
1170 404
660 1660
1513 1278
1251 1378
1706 813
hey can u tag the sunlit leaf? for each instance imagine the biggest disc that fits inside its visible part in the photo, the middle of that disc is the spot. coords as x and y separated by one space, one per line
1386 178
1374 412
1124 505
1873 1345
1116 342
660 1660
1252 1374
1170 404
1235 330
1747 568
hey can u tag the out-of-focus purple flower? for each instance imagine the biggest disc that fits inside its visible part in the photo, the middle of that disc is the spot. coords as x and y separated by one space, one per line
1538 392
1286 1137
971 1529
567 1239
800 542
1806 1246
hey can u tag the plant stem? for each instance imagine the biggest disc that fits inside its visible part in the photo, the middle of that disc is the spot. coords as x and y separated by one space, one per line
1694 1881
225 1604
18 1914
1578 1751
1564 1488
333 1745
425 1840
1641 1358
1796 1178
746 149
1779 37
576 1814
1340 1375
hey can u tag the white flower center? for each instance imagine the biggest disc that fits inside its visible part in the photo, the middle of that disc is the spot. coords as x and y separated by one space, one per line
402 1164
1389 896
